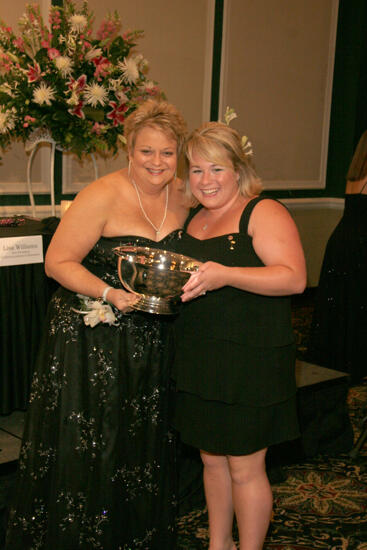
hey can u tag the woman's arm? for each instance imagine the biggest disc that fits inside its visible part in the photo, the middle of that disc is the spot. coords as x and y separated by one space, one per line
77 233
276 241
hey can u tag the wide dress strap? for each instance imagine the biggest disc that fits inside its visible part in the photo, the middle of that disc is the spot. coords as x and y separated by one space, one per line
245 218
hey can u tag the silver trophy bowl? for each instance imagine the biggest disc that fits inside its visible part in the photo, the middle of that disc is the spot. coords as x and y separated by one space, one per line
156 276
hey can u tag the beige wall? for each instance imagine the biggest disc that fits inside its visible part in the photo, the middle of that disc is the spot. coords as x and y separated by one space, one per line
316 220
277 72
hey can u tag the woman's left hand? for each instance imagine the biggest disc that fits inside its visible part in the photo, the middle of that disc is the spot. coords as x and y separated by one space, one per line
209 276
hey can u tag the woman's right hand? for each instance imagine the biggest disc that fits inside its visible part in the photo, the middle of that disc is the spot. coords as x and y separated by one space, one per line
121 299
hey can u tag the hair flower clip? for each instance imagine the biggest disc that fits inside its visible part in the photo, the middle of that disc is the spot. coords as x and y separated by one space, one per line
247 146
95 312
230 115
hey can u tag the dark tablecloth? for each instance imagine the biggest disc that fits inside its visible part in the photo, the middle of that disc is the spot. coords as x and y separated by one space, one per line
25 291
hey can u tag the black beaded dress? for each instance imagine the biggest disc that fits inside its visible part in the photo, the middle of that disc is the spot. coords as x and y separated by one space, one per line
97 463
338 333
235 358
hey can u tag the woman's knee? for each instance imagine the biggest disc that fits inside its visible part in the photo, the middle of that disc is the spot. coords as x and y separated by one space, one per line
213 461
244 469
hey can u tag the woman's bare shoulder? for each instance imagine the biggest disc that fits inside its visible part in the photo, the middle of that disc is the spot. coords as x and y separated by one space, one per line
267 206
104 189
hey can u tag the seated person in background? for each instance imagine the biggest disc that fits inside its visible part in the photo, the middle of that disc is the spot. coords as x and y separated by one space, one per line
338 333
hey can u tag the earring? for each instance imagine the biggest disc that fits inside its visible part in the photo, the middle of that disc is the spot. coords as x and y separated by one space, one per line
129 169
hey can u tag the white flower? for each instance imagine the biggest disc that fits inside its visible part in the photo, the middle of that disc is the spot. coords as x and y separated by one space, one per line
64 64
129 70
121 97
141 62
229 115
92 53
115 84
6 122
94 312
94 94
43 94
148 85
73 99
78 22
6 89
246 146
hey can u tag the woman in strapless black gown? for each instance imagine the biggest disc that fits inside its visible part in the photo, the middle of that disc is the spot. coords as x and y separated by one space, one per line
338 332
97 464
235 358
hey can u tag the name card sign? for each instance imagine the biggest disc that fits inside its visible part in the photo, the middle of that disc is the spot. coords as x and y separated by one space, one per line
21 250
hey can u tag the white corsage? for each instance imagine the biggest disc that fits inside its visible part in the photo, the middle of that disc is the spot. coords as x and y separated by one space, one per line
95 312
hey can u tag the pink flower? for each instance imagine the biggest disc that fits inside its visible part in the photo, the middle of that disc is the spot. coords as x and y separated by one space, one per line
5 63
152 91
52 53
77 111
7 30
55 19
97 128
108 28
45 44
102 64
28 120
19 43
117 114
34 73
77 85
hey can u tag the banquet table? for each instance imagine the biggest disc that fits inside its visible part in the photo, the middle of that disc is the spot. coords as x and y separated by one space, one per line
25 291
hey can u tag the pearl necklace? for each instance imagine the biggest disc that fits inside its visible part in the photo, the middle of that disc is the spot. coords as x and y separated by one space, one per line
156 229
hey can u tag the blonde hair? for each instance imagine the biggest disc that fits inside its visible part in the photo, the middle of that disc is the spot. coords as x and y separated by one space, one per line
155 114
358 167
218 143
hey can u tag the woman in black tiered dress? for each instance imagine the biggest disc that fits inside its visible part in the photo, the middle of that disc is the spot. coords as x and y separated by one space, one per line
97 468
339 326
235 358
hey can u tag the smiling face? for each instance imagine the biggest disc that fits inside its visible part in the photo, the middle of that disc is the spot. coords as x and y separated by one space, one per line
214 185
153 158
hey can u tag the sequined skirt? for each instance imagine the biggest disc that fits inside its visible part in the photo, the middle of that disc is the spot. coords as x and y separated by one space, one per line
97 466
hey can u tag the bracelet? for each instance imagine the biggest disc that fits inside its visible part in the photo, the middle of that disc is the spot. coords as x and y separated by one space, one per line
105 292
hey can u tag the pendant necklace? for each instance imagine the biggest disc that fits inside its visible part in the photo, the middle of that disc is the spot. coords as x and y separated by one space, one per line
156 229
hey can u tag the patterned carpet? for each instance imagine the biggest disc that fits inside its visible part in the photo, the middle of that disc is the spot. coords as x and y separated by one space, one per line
322 501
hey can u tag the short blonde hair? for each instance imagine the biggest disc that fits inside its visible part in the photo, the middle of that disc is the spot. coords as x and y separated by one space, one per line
358 167
155 114
218 143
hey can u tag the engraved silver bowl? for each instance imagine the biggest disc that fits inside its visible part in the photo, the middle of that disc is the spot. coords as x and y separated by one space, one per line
156 276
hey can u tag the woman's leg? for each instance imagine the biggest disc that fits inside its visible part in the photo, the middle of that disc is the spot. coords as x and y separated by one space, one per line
252 498
218 493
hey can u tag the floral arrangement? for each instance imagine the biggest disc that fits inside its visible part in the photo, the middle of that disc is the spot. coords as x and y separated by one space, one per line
60 80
